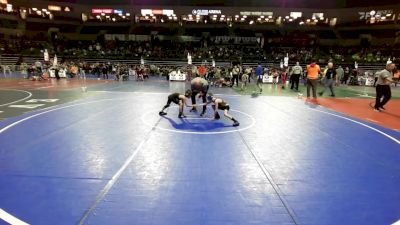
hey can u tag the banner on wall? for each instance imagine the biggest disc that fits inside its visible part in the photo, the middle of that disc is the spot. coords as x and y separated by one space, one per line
236 40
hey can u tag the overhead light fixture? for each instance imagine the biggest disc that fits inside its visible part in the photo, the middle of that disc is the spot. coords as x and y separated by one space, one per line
290 20
162 20
259 19
251 22
286 17
383 17
301 23
270 17
34 9
128 14
236 16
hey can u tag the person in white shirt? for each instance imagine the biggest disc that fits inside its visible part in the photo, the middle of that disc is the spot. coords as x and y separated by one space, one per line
295 74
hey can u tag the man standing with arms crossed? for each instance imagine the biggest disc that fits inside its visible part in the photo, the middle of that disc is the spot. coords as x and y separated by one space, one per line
383 86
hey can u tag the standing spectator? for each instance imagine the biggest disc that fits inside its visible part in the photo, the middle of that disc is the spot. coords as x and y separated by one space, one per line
202 71
274 73
295 76
346 75
235 75
329 76
313 71
245 77
259 73
383 87
194 72
283 77
24 69
105 72
339 75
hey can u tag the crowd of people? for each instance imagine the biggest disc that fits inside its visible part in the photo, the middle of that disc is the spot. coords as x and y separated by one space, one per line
162 50
235 74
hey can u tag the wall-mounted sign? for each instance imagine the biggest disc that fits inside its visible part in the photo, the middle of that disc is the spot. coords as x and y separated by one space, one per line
166 12
316 16
255 13
118 11
237 40
54 8
58 8
99 11
206 12
296 15
373 13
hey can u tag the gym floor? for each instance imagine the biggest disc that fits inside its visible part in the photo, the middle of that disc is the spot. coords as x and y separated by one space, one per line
102 155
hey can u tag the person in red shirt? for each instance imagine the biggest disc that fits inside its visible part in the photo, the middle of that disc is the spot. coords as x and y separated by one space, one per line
202 71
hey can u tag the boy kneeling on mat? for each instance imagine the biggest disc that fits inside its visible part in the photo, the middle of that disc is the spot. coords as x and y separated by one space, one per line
218 103
178 99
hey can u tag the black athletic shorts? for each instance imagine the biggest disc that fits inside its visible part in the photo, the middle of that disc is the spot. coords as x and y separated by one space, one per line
173 99
223 107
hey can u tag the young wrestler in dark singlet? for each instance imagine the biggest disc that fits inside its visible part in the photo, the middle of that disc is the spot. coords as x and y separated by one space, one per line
178 99
220 104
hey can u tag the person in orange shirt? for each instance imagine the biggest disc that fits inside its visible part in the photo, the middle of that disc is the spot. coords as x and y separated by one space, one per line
313 71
